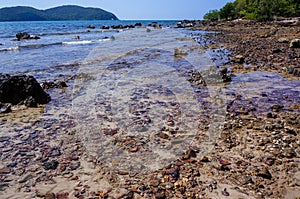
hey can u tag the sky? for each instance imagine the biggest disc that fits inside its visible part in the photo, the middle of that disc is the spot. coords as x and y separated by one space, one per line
134 9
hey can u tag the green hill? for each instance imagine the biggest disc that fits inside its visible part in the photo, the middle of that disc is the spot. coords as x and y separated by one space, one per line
21 13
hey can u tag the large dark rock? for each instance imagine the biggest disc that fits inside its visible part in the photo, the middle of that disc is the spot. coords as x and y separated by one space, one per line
20 89
25 35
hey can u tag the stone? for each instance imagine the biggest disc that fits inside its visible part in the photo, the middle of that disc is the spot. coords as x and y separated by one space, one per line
30 102
76 37
179 52
239 59
91 27
62 195
5 108
16 89
52 165
283 40
50 196
295 43
105 27
5 170
53 85
25 35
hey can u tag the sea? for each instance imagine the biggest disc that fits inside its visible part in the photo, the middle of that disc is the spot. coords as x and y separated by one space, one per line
56 46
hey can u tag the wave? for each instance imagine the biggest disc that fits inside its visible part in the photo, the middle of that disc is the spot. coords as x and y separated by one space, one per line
35 46
84 42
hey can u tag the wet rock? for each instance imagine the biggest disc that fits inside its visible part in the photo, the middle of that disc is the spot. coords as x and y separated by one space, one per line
276 108
91 27
52 85
105 27
30 102
52 165
16 89
138 24
179 52
5 108
295 43
76 37
25 35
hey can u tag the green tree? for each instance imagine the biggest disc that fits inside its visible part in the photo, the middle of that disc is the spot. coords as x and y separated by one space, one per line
213 15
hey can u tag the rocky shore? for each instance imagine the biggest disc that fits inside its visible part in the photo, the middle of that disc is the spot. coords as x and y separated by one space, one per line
255 155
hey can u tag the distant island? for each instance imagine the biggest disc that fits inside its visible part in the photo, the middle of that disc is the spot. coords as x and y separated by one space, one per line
67 12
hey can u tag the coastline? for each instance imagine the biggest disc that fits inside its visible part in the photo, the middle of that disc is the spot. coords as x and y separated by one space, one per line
255 155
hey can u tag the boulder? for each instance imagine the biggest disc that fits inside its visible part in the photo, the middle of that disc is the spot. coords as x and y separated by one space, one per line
138 24
105 27
91 27
25 35
21 89
295 43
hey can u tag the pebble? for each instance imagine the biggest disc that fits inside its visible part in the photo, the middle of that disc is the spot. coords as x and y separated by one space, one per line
225 192
5 170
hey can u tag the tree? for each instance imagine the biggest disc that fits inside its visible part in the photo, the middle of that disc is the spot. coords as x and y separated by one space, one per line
213 15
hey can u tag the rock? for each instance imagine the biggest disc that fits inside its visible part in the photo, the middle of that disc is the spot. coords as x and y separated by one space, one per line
276 108
295 43
277 50
50 196
239 59
138 24
91 27
62 195
52 85
5 108
25 35
5 170
160 194
30 102
123 172
105 27
76 37
120 26
50 165
264 173
225 192
179 52
16 89
283 40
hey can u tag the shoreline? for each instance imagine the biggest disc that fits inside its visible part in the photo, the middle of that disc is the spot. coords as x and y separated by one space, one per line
255 156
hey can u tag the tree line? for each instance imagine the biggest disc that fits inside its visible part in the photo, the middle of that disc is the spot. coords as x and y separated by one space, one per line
261 10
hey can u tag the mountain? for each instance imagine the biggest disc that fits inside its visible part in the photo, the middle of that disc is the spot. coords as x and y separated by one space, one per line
69 12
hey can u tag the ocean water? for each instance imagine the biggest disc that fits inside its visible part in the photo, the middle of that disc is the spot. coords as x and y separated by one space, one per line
56 47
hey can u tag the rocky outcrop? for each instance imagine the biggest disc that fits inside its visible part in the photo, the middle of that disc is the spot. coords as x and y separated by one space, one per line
22 90
25 35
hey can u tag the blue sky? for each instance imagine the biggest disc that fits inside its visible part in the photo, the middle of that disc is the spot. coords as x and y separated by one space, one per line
134 9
